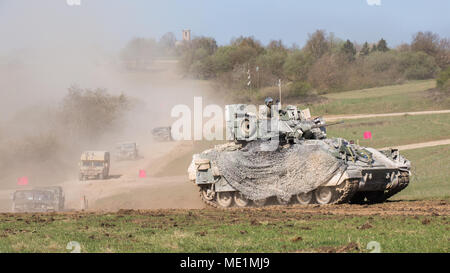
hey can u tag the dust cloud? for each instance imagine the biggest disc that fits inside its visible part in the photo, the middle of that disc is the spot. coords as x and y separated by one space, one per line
48 47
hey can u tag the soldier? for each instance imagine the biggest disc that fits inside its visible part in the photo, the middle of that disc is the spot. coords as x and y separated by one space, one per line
265 112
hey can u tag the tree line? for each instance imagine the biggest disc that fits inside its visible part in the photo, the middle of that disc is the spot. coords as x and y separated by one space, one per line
324 64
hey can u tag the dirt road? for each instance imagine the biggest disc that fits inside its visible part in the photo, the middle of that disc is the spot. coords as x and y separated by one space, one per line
421 145
166 185
388 208
125 189
341 117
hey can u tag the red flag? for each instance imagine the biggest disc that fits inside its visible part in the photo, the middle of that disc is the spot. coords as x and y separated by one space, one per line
142 174
22 181
367 135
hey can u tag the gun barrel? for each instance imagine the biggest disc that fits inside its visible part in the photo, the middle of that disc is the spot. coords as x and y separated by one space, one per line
334 123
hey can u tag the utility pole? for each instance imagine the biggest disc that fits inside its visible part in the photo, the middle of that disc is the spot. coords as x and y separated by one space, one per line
257 77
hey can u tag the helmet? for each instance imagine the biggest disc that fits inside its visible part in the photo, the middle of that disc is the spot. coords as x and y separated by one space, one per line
268 100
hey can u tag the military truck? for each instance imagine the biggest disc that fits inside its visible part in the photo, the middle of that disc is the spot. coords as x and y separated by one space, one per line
94 164
290 159
45 199
126 151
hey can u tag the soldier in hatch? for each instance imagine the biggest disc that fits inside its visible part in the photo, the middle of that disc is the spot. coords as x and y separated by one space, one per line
265 111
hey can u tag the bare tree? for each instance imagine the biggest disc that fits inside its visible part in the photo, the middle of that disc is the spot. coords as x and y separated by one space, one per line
139 53
168 40
427 42
433 45
317 44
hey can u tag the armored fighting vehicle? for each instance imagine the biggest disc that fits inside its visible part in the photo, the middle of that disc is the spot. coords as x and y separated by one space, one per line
94 164
44 199
126 151
162 134
288 158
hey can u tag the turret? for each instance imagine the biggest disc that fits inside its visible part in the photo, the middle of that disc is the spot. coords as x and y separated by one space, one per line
289 124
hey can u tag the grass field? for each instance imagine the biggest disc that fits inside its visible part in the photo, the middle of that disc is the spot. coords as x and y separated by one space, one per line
222 231
430 174
407 97
399 130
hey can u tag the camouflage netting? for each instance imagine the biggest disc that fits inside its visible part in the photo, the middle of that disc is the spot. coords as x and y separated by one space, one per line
258 173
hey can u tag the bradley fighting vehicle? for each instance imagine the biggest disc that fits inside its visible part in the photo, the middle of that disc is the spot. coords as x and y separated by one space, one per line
320 170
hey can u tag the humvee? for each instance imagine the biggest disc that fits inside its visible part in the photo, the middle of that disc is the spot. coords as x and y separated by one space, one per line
58 194
94 164
126 151
44 199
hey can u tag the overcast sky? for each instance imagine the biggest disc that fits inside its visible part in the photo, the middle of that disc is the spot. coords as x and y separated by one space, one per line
110 23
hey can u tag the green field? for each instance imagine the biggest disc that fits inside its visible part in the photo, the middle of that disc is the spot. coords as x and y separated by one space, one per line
222 231
430 174
413 96
400 130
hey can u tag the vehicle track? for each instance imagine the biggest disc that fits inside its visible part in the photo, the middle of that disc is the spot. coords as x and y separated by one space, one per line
420 145
341 117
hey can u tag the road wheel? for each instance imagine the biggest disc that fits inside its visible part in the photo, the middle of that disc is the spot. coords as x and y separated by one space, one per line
208 194
260 203
305 198
324 195
282 201
225 199
240 200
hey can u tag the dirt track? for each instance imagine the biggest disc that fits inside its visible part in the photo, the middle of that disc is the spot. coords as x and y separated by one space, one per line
126 190
340 117
389 208
421 145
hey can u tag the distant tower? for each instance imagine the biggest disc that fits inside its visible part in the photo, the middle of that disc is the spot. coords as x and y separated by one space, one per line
186 35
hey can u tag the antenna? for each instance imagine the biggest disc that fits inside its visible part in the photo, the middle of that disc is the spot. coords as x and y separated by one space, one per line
249 76
279 90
